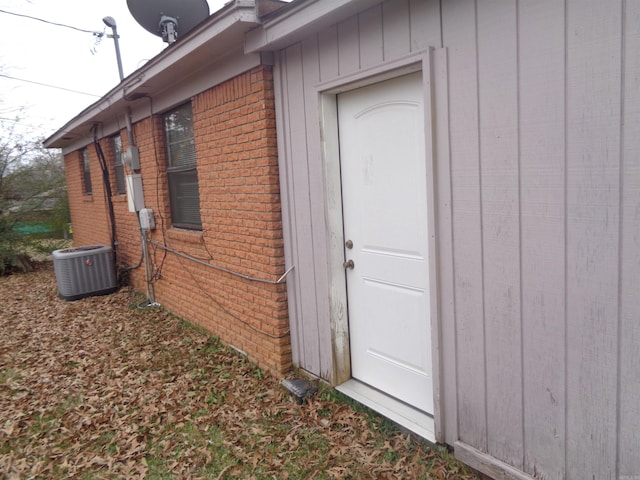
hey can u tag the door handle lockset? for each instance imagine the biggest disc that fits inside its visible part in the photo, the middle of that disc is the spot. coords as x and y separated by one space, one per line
348 265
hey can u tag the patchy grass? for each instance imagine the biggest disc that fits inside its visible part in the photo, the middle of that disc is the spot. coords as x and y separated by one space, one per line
96 389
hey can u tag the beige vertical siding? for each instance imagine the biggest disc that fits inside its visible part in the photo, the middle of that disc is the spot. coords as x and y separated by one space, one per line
470 380
536 127
543 105
500 207
541 77
303 231
629 258
593 105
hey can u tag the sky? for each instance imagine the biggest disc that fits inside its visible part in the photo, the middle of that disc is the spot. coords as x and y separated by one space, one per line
39 56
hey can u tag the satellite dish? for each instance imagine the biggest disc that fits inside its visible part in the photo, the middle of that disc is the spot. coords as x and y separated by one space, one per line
168 18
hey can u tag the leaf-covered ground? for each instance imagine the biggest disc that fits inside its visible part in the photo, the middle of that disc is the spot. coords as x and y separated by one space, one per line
100 389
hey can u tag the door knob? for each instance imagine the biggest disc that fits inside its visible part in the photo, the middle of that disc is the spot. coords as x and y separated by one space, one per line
348 265
349 244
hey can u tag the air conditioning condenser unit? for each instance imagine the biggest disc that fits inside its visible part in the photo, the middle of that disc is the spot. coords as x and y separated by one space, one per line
84 271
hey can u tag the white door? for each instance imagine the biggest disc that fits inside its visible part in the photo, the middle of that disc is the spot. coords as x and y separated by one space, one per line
384 188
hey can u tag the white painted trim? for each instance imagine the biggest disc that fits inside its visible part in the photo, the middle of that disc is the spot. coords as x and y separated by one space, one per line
408 417
338 316
328 119
434 258
487 464
447 417
410 63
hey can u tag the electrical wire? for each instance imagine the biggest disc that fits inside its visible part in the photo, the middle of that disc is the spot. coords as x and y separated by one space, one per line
137 265
107 188
222 269
225 310
19 122
48 85
158 270
53 23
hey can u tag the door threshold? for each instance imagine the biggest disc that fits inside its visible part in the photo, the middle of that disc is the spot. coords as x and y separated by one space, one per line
408 417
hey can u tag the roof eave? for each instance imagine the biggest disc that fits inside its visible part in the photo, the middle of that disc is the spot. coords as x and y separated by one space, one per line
207 42
300 19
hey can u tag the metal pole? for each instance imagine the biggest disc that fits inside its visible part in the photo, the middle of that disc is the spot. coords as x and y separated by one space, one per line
110 22
151 297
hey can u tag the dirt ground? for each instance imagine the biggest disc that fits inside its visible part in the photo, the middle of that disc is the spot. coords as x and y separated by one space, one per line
98 388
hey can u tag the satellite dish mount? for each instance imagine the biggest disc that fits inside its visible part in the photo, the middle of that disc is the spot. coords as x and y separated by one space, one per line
168 18
168 28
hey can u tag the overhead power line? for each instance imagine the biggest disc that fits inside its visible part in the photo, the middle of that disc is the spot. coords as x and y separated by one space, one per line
19 122
50 86
53 23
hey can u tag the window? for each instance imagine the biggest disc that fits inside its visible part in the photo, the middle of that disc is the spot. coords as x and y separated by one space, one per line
182 174
118 167
86 173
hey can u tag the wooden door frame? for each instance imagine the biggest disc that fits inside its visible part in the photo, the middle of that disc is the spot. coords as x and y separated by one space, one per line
330 150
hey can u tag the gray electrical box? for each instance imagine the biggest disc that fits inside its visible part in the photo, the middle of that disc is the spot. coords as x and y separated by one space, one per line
135 195
147 220
84 271
131 157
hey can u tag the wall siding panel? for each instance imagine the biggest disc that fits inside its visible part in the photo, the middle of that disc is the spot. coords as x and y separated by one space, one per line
460 38
539 342
396 28
424 25
539 270
328 53
301 214
629 354
498 119
593 182
371 40
542 166
288 212
348 46
311 73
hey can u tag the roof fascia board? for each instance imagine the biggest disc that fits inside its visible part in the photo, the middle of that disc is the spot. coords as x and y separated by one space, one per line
297 22
112 120
239 12
69 129
204 79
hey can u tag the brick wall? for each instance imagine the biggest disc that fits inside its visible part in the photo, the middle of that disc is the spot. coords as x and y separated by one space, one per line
234 125
88 211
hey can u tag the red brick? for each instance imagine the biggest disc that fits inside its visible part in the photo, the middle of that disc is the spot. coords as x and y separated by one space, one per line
234 124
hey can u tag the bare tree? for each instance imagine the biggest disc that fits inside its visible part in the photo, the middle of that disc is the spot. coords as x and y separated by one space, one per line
32 193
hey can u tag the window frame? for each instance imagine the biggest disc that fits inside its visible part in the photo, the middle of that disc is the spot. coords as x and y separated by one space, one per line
118 165
85 164
181 168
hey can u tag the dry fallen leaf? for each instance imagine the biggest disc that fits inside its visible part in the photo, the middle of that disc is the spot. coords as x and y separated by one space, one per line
94 388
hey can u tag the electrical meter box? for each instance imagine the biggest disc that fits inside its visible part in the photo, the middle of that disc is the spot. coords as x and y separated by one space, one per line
135 196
